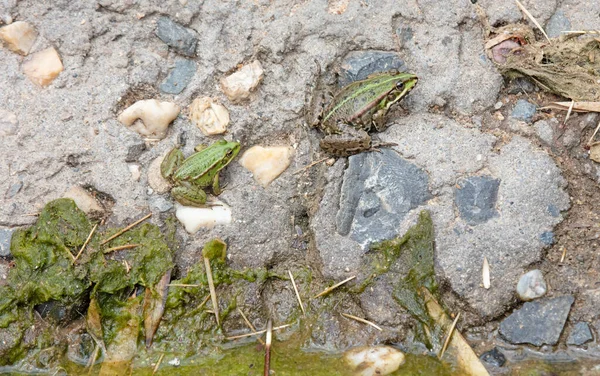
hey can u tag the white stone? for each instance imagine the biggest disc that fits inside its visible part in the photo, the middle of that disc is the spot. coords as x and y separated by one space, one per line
531 285
267 163
43 67
155 178
210 117
193 218
18 37
238 85
83 199
155 117
8 123
134 169
371 361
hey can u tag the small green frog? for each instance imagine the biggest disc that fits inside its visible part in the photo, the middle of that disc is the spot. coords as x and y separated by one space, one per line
200 170
359 108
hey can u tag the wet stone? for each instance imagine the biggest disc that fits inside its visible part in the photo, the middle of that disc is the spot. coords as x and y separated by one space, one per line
493 357
523 110
539 322
5 236
358 65
476 198
182 39
557 23
179 77
378 190
580 334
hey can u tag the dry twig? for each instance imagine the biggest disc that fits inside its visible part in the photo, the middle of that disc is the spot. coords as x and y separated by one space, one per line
329 289
86 242
524 10
296 290
448 336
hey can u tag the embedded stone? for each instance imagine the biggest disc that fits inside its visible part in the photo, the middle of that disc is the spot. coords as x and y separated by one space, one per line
18 37
83 199
374 361
531 285
357 65
155 117
209 116
476 198
43 67
580 334
179 77
539 322
240 84
267 163
180 38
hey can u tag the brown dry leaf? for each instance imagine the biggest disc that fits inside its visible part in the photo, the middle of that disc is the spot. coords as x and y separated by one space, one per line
465 356
577 106
595 153
154 306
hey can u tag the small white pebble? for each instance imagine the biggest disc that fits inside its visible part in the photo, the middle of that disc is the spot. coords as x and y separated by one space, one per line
134 169
266 163
531 285
238 85
155 116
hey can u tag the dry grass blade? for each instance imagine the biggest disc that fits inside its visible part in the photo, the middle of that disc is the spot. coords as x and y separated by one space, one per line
524 10
329 289
126 229
589 143
121 247
268 348
564 254
257 333
486 273
158 363
86 242
92 359
362 320
448 336
249 324
569 113
581 32
213 292
310 165
577 106
296 291
182 285
203 302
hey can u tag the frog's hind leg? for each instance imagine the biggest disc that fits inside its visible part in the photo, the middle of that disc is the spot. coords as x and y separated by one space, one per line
350 141
189 195
171 162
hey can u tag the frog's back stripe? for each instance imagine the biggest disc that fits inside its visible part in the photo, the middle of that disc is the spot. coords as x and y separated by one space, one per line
369 105
209 154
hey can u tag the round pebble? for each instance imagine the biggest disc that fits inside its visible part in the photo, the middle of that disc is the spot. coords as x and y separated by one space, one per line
531 285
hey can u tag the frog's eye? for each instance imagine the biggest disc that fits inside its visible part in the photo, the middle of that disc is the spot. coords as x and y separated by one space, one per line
399 85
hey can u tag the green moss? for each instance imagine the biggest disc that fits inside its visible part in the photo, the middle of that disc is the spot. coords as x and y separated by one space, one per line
45 270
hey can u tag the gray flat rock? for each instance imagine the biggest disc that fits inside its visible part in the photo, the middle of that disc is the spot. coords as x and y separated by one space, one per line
357 65
5 237
476 198
179 77
580 334
537 323
523 110
181 39
378 190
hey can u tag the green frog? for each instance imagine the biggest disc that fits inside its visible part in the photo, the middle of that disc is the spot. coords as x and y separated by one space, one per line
359 108
191 175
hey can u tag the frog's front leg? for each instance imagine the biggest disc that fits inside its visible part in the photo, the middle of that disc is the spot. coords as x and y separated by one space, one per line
215 186
171 162
189 195
350 141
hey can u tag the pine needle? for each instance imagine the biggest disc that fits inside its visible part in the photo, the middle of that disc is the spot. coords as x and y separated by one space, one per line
249 324
158 363
329 289
121 247
362 320
213 292
257 333
126 229
448 336
86 242
296 291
